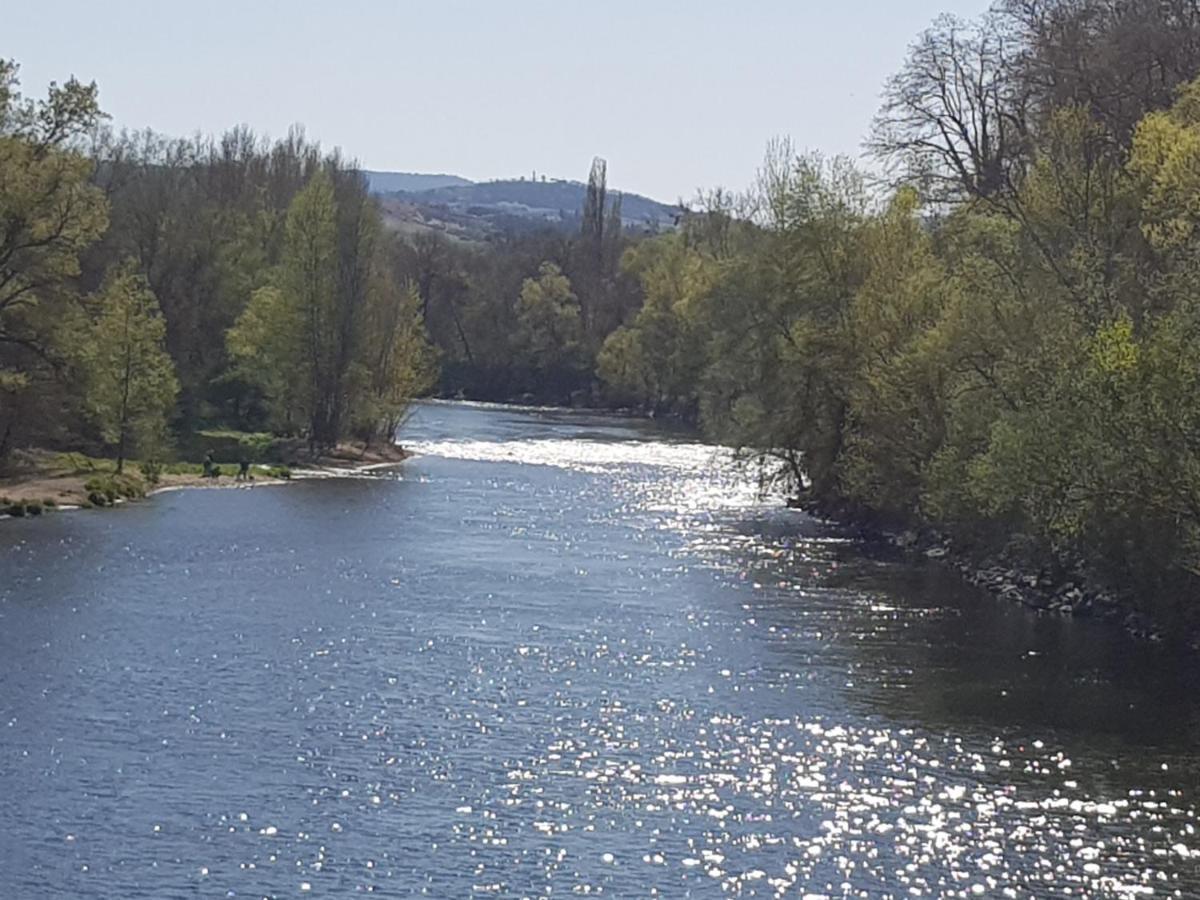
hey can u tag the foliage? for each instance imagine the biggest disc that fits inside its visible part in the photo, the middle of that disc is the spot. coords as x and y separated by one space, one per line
129 378
333 343
152 470
50 214
105 490
399 360
549 320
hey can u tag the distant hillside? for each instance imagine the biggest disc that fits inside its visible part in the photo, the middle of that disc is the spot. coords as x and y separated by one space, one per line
476 211
387 182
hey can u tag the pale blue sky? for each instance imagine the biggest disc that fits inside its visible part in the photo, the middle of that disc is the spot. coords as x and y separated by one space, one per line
675 95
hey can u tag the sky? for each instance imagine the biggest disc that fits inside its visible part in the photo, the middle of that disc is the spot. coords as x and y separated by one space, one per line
675 96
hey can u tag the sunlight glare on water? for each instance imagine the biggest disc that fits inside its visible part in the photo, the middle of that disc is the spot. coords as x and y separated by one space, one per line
560 654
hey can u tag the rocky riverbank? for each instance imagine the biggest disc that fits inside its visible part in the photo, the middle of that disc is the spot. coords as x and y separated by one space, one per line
1009 578
1036 590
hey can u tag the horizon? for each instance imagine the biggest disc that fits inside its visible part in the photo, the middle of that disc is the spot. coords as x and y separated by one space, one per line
521 86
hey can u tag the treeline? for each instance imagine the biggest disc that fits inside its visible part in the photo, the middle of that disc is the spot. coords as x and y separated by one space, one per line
523 317
153 287
996 338
1005 343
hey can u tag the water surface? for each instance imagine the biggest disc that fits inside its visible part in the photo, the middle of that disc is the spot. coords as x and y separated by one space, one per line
560 653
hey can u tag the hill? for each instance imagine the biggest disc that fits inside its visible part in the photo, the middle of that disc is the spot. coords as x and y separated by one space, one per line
476 211
387 182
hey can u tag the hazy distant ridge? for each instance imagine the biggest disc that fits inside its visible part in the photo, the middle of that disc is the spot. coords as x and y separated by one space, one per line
473 210
390 182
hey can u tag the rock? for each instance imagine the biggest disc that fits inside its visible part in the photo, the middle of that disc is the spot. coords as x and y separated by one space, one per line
936 552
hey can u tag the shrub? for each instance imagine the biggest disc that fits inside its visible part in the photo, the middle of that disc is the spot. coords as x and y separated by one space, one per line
231 446
152 471
111 487
33 508
50 503
16 509
76 462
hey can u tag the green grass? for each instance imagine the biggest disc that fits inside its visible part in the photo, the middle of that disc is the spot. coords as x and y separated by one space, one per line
81 463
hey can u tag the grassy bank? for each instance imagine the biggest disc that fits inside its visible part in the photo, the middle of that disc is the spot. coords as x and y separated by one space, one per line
38 481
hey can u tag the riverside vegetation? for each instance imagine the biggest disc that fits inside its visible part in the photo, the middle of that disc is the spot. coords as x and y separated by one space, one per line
155 294
995 339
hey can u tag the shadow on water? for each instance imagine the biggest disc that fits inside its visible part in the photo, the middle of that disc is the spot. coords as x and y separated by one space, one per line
932 649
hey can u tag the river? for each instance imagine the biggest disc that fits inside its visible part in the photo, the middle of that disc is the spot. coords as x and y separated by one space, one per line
560 653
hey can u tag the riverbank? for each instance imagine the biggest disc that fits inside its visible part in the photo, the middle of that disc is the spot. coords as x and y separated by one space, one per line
44 481
1039 591
1010 579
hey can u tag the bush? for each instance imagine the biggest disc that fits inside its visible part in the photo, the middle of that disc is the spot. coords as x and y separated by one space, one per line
77 462
152 471
113 487
284 472
16 510
50 503
33 508
231 446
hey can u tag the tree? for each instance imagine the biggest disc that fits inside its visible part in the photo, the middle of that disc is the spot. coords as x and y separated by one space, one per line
308 281
954 119
897 392
401 363
1118 60
549 321
332 343
266 347
130 380
782 348
50 215
656 360
599 254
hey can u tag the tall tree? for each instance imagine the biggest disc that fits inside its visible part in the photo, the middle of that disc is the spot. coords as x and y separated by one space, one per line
954 118
401 363
130 381
549 321
50 214
1118 59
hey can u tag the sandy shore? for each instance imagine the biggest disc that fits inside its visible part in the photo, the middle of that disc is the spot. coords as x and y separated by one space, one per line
67 489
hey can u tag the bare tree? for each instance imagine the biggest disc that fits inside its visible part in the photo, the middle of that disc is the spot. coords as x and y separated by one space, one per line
953 120
1119 59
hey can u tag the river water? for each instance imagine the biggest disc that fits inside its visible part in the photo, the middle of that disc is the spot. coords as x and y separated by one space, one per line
560 653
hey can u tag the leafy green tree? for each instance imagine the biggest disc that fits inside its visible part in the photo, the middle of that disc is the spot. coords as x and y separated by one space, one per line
266 348
898 394
401 363
130 381
287 338
50 215
551 329
656 360
332 343
782 347
308 280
